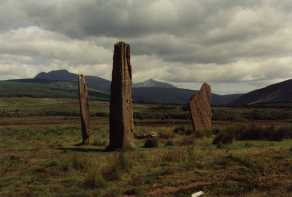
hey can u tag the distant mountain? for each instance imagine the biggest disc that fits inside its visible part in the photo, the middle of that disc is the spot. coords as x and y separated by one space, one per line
94 82
45 89
161 95
63 84
57 75
224 99
153 84
280 93
175 96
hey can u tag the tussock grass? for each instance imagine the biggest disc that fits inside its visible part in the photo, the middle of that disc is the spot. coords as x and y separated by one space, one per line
252 132
118 165
94 179
38 157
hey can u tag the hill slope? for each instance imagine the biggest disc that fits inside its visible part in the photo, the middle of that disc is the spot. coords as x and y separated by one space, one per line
280 93
161 95
175 96
57 75
45 89
93 82
63 84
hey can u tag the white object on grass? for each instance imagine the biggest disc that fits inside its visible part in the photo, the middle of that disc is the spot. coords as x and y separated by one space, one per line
198 194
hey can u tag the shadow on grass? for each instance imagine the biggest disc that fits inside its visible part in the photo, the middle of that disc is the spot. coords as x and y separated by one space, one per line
83 149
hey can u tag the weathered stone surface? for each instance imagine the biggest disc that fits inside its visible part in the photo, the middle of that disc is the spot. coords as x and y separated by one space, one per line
121 104
84 110
200 108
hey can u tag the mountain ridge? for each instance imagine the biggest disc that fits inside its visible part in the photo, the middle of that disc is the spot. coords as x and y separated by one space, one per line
62 83
65 75
149 91
153 83
273 94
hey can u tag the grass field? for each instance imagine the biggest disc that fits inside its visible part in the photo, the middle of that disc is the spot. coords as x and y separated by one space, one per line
38 156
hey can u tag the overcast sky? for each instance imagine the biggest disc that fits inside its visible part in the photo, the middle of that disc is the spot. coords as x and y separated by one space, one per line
235 45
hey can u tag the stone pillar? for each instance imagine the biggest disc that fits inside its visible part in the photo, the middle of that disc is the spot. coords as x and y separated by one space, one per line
121 104
84 110
200 108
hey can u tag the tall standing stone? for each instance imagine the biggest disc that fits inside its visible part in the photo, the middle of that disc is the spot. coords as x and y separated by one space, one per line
84 110
200 108
121 104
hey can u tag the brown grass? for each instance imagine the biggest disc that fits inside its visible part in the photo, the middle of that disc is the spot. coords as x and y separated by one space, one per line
38 158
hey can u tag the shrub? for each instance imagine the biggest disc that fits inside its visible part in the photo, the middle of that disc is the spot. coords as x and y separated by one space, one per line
183 130
226 115
166 134
203 133
226 136
136 191
151 143
186 141
252 132
272 133
268 114
161 115
185 108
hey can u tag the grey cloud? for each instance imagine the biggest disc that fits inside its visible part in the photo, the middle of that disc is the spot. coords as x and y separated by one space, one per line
12 16
205 31
187 41
132 18
40 44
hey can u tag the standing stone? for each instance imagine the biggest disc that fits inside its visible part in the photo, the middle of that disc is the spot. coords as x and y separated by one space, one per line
84 110
121 104
200 108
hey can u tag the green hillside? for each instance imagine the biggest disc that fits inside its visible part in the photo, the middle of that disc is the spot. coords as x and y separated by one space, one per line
63 84
279 94
41 89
